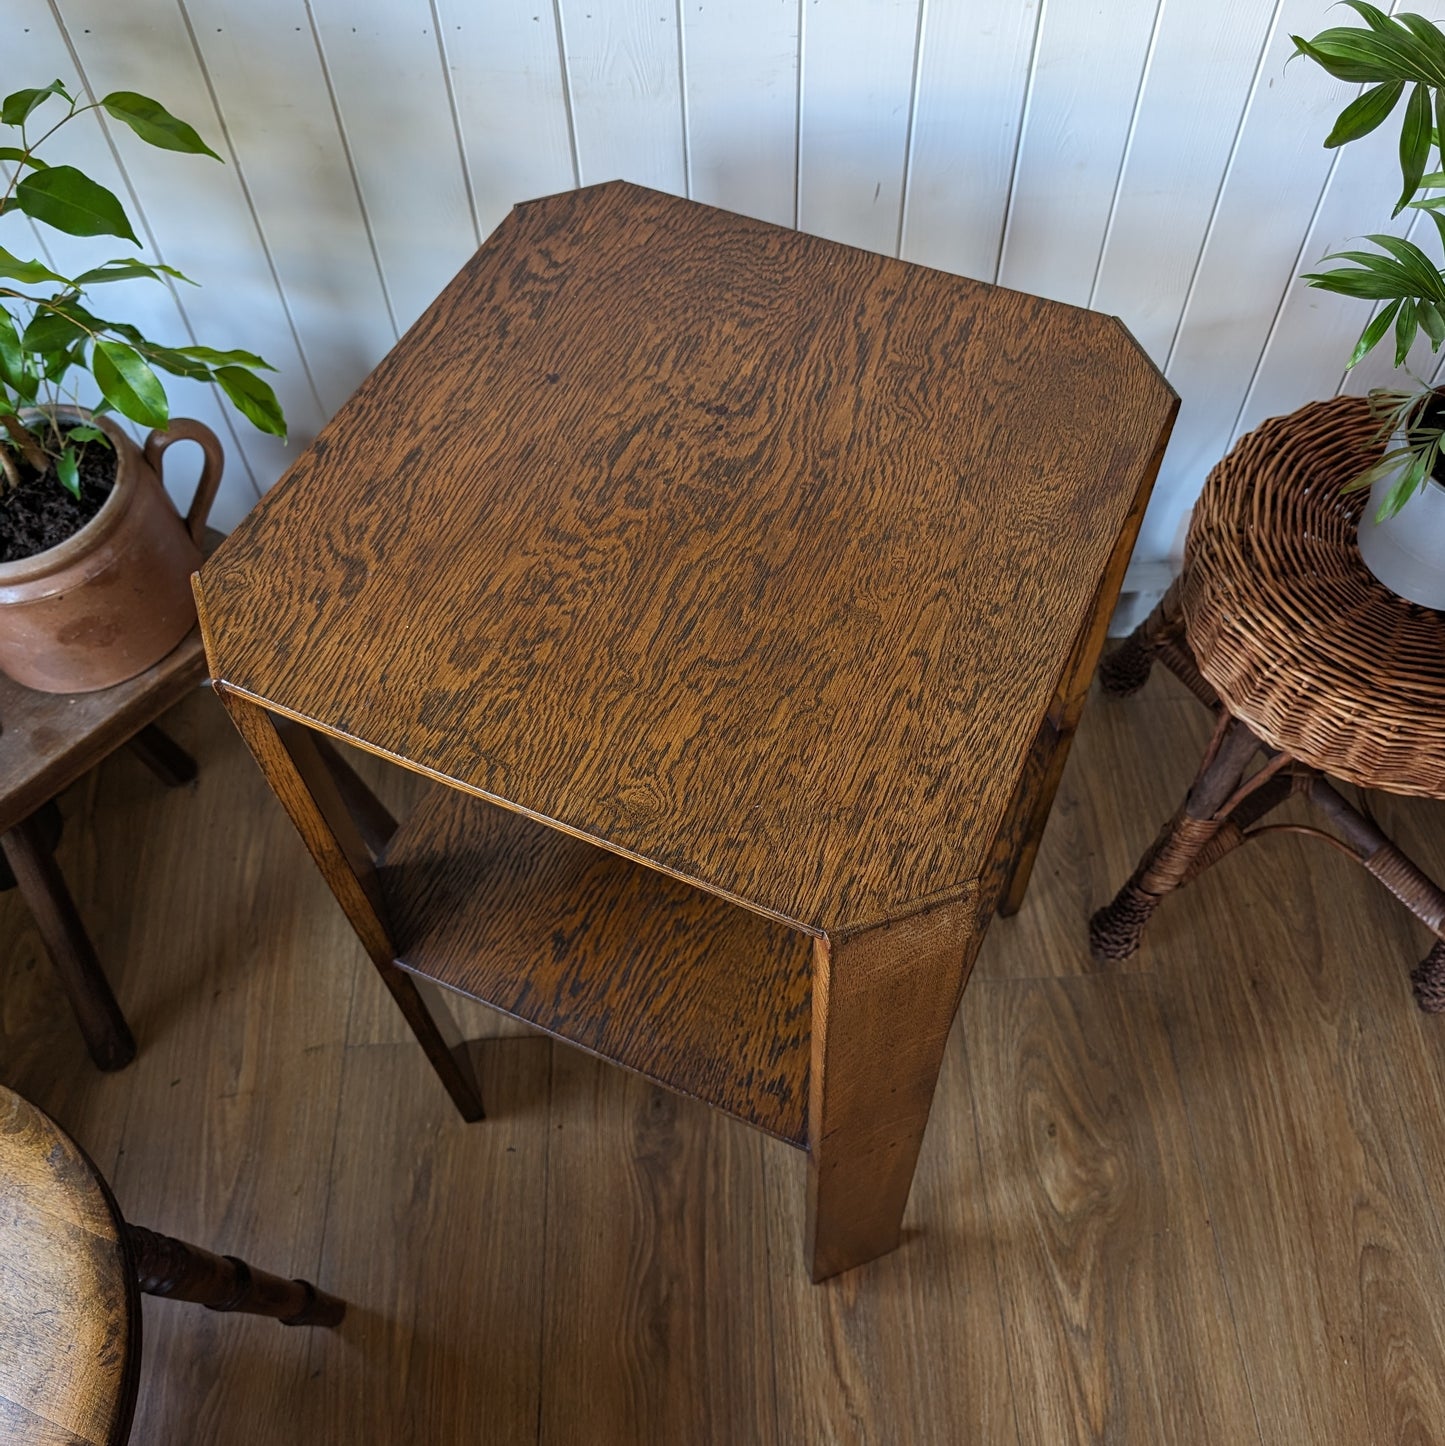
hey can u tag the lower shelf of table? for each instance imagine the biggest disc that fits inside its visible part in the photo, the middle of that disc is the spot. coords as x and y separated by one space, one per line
645 971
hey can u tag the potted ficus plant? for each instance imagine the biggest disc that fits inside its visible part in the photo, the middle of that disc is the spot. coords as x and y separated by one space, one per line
94 559
1398 59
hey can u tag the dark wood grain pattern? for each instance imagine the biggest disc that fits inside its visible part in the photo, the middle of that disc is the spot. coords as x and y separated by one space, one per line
69 1316
743 553
706 998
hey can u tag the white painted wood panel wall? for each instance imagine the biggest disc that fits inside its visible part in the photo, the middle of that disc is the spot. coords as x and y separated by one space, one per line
1153 158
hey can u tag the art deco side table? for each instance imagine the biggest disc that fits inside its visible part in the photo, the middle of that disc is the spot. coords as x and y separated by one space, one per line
741 592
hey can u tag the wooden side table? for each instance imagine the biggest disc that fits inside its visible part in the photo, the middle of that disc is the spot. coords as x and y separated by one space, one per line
741 592
1308 662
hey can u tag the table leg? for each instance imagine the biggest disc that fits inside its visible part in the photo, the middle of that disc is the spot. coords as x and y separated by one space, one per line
307 788
883 1003
1056 734
41 884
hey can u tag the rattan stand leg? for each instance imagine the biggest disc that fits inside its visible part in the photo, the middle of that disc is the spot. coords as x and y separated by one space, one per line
1201 832
1159 638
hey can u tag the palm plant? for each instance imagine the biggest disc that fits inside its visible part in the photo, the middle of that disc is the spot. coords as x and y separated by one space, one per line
1393 55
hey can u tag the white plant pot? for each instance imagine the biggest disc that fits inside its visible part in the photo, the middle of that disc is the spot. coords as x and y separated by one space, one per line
1406 552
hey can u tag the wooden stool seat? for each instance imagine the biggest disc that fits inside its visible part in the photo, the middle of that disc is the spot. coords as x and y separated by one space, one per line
71 1275
1277 625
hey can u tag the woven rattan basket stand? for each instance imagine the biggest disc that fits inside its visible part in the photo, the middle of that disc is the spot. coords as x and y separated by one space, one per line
1310 664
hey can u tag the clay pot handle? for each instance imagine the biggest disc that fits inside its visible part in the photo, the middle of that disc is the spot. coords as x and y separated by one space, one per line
183 429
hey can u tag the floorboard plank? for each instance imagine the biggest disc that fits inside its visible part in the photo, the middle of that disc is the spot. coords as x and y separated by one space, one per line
1117 1319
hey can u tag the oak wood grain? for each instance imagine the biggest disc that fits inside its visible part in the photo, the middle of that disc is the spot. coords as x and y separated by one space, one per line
436 1237
706 998
741 552
1296 1052
909 1350
1107 1266
69 1314
665 1220
883 1003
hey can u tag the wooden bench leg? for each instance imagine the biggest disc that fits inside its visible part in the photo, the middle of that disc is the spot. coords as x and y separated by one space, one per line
883 1002
38 876
168 1267
163 756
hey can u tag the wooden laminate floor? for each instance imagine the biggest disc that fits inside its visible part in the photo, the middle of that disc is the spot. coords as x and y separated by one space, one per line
1195 1198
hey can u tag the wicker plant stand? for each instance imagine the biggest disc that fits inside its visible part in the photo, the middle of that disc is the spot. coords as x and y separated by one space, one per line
1312 666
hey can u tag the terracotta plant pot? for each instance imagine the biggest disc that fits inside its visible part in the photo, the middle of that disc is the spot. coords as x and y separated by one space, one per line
114 597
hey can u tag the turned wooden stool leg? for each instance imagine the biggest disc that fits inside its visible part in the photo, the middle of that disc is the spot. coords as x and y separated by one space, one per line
1115 930
168 1267
163 756
103 1026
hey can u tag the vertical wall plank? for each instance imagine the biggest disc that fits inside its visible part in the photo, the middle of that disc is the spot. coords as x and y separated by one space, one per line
1268 197
624 75
197 210
1192 103
391 88
858 69
741 81
973 75
1088 64
263 66
511 98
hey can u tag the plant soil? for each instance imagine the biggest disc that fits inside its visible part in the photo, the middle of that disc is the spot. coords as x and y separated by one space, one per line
41 514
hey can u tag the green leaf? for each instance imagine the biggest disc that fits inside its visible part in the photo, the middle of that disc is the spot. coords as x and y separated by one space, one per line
128 383
1431 321
70 201
253 399
86 434
68 470
1379 324
1364 113
1376 19
1414 144
32 273
1436 178
54 327
154 124
10 350
18 104
174 362
225 358
1406 487
60 362
1404 331
1428 34
1417 265
21 158
125 270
